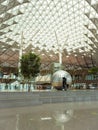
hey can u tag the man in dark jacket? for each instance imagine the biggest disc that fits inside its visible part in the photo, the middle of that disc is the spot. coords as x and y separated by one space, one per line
64 84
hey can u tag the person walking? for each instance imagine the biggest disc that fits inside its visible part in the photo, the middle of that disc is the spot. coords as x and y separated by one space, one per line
64 84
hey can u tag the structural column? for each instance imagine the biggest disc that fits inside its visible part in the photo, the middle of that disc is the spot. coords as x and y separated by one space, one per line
20 53
60 58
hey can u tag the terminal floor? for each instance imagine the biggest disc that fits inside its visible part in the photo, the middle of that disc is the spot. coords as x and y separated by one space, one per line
60 116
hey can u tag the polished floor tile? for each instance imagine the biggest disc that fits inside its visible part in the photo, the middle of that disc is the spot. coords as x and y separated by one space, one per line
64 116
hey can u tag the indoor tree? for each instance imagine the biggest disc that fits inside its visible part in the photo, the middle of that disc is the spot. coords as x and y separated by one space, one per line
30 66
93 70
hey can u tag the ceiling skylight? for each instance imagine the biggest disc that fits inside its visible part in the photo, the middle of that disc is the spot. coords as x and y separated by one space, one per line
35 22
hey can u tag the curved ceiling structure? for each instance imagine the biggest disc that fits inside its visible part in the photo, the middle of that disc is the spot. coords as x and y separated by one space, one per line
49 27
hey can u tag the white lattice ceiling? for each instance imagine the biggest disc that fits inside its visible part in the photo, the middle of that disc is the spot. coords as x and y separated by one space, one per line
49 26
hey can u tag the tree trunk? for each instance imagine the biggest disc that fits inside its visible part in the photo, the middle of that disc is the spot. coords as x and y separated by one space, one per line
29 86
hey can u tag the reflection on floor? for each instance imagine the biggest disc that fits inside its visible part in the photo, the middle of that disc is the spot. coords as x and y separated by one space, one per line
66 116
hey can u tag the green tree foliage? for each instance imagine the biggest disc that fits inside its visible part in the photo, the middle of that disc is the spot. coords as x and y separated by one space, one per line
93 70
30 65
